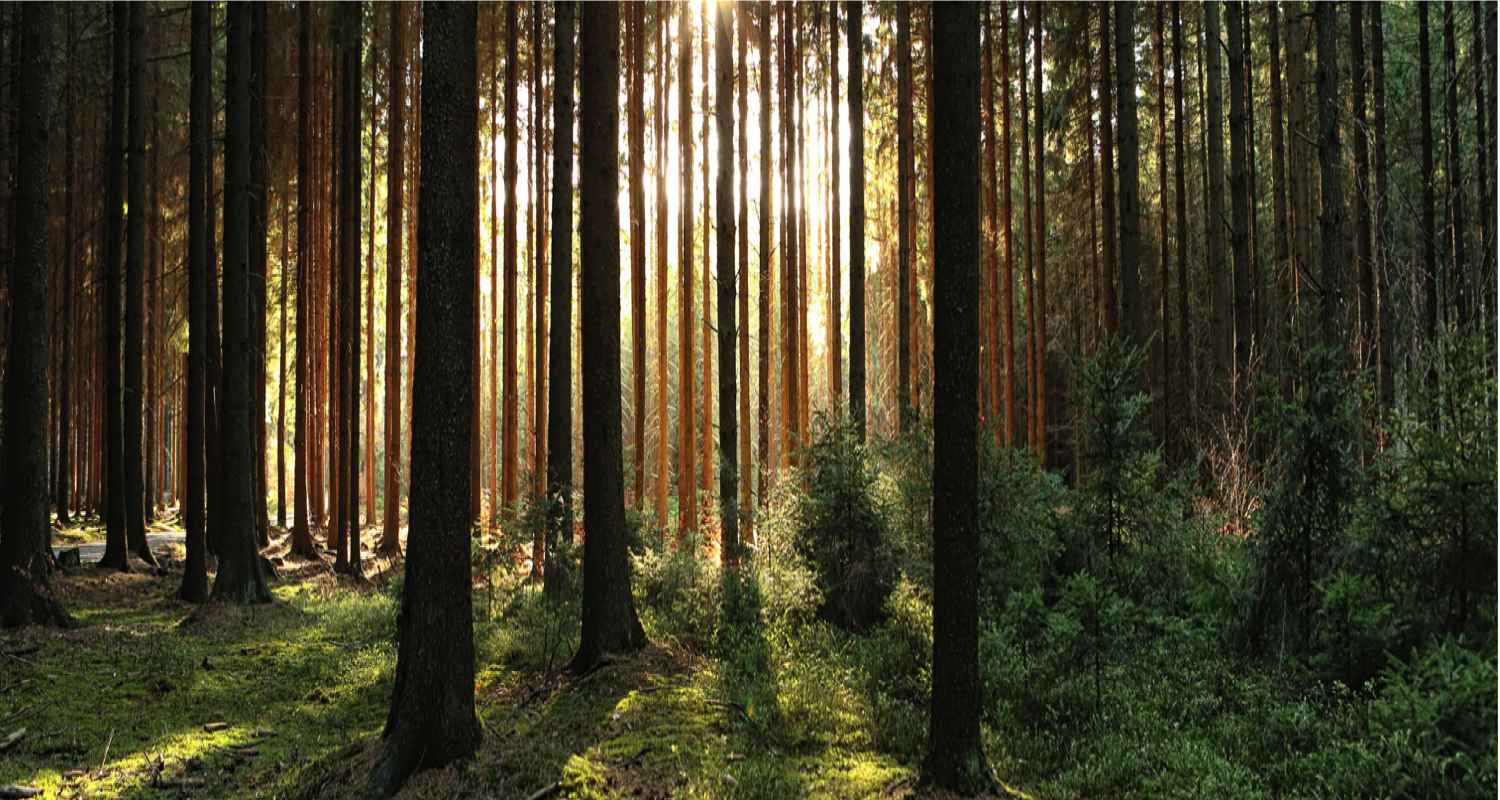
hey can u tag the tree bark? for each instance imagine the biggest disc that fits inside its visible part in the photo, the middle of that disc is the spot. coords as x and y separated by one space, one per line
1187 401
856 69
610 625
302 541
903 221
24 596
1007 275
1429 224
687 496
1458 289
1331 222
1384 372
560 353
390 537
194 587
663 365
1107 196
115 547
135 299
725 309
508 358
635 23
1239 187
1363 246
240 578
1040 142
955 758
431 720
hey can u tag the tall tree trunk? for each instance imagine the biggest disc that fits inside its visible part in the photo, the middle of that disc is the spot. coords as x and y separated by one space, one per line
1007 276
539 289
955 758
560 353
152 442
24 597
1458 288
1028 223
135 300
1040 140
725 256
115 547
836 276
281 378
258 224
1363 246
1239 187
1429 224
635 24
1331 222
706 403
1282 225
766 212
663 437
508 358
1107 197
745 469
904 222
390 537
856 70
349 182
369 341
1223 314
240 578
1187 401
67 372
1484 159
610 625
302 542
194 587
687 504
1163 330
492 445
431 720
1384 372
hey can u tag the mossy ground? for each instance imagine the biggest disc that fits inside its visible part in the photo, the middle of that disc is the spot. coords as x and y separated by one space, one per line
154 698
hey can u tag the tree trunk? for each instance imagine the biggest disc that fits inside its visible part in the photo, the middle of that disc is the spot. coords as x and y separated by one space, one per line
508 358
1239 187
635 23
302 541
1458 289
955 758
194 587
67 373
1429 224
1029 231
903 221
1384 372
390 537
1331 222
836 277
431 720
240 578
369 341
1282 225
1187 401
856 69
1223 314
115 547
24 597
725 256
687 503
1363 246
663 443
610 625
745 468
135 299
705 401
1107 197
1163 330
1039 142
257 274
560 352
1007 275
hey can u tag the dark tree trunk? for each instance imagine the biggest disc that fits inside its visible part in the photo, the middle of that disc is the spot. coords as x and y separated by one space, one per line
115 546
610 624
390 535
1484 159
135 297
636 37
903 216
240 578
348 36
1458 268
746 467
560 351
1222 336
1385 373
662 277
1429 203
1007 275
1039 140
258 223
767 211
856 70
1108 198
1366 356
24 598
431 720
1129 188
725 308
1184 344
1239 188
1331 221
302 541
1163 330
1281 212
62 497
194 575
836 267
508 357
955 758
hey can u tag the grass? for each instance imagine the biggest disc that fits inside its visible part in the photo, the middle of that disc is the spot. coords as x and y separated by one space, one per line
153 698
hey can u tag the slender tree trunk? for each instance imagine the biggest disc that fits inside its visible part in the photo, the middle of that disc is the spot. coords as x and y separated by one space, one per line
1484 161
687 505
281 380
1007 276
302 542
349 182
1384 372
508 358
390 537
1040 418
492 444
1458 288
610 625
67 373
765 214
1429 225
856 69
135 300
746 466
1107 196
431 720
1223 314
370 402
258 224
663 412
194 587
1363 246
560 353
955 758
904 222
115 548
1280 210
836 277
1187 401
1029 229
152 442
706 402
1239 187
635 24
1163 329
725 256
1331 222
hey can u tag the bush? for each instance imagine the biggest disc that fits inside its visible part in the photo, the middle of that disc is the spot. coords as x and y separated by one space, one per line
841 528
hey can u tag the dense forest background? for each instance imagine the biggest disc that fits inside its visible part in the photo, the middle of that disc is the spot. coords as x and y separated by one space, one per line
1210 507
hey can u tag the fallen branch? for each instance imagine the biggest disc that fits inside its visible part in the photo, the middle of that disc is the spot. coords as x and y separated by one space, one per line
10 741
13 792
546 791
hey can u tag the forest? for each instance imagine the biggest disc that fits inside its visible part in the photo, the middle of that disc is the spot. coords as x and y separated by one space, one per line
718 398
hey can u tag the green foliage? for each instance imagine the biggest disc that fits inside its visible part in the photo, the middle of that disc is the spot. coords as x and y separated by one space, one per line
841 527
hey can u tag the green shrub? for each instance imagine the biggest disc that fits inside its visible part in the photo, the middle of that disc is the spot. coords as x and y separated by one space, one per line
841 528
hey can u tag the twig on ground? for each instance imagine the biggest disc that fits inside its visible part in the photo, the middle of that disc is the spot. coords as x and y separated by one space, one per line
14 792
546 791
10 741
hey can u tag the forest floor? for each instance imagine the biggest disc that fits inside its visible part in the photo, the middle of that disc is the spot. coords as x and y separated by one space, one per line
150 697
